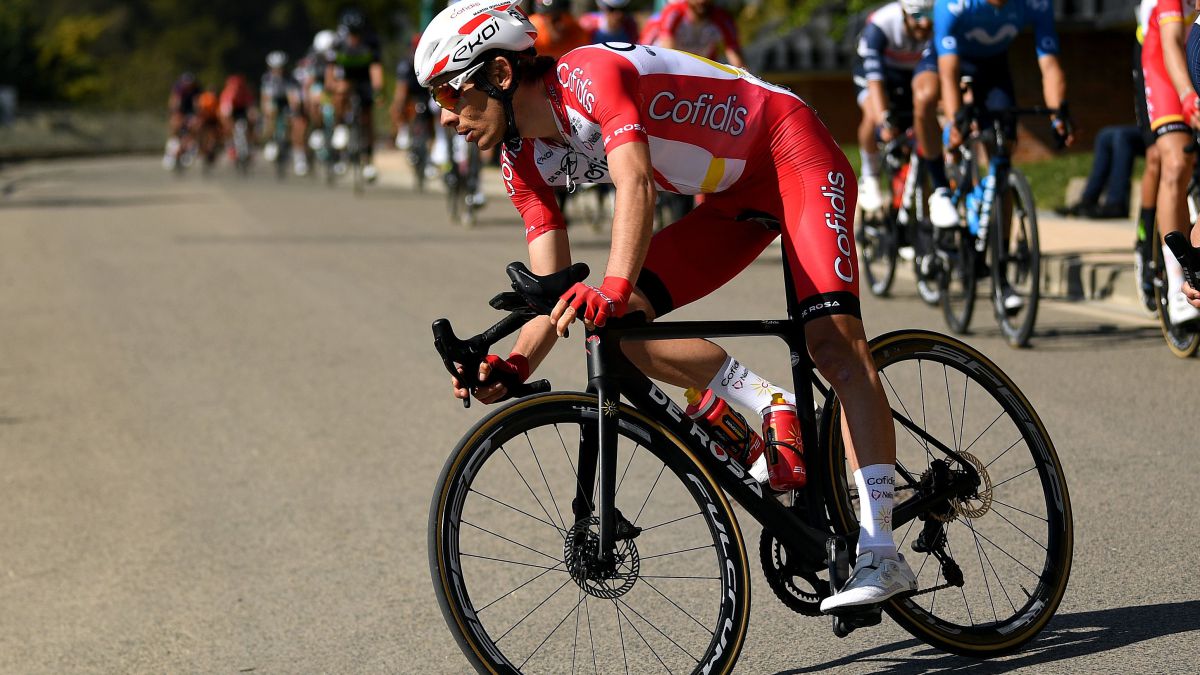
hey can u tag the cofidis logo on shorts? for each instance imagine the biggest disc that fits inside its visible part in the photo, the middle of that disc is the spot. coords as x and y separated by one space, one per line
835 219
727 116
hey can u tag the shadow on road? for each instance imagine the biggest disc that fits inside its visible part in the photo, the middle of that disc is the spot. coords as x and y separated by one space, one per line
1068 636
1071 337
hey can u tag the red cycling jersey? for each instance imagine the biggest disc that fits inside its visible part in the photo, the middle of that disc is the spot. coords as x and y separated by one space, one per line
1162 101
757 148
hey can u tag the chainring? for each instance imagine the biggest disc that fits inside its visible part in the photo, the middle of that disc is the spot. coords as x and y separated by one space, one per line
799 589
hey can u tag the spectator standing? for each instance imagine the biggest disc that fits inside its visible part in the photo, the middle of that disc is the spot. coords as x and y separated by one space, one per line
558 31
700 27
1112 167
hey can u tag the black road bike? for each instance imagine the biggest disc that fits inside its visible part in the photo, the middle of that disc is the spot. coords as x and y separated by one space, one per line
997 237
572 532
902 222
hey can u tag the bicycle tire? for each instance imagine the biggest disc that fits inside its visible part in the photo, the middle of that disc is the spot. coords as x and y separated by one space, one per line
1008 415
465 574
878 250
921 239
958 277
1183 341
1023 263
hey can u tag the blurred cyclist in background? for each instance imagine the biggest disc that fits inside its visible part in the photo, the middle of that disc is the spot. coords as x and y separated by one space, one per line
356 66
237 103
181 106
280 96
611 24
558 31
699 27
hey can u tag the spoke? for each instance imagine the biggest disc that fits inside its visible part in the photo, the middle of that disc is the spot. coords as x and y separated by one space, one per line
906 532
983 572
579 486
621 632
676 605
659 630
545 481
1001 549
527 486
961 589
924 418
950 406
900 400
575 643
668 576
686 550
510 562
987 429
500 536
1018 529
1013 477
1019 510
550 634
669 522
509 506
626 471
1000 581
509 594
647 501
643 637
530 613
591 641
962 412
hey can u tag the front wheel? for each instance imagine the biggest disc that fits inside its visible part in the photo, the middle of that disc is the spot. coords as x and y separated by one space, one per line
1016 280
1009 543
878 248
513 548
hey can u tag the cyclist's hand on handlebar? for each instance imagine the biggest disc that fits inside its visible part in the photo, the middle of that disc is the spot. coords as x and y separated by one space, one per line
598 304
496 377
1191 109
1193 295
951 137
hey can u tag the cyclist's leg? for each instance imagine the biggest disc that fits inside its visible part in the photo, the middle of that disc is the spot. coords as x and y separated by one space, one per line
868 145
926 91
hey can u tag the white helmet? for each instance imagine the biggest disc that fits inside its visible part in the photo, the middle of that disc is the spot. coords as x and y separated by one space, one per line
463 32
276 59
324 41
917 6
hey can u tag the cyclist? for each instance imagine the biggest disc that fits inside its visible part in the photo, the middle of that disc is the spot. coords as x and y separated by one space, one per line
613 23
181 105
700 27
356 66
206 125
237 103
1193 59
280 95
890 77
648 118
971 38
1171 103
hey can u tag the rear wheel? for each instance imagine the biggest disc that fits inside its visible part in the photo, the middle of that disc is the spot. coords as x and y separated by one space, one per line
1022 266
513 548
959 267
1011 540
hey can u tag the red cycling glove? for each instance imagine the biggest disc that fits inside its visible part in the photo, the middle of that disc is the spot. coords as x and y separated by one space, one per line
1190 103
510 371
611 299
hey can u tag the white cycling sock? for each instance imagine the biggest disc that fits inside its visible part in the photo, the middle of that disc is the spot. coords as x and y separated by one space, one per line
1174 271
870 163
876 486
738 384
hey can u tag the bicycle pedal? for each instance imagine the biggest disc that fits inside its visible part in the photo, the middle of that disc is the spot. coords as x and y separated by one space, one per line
845 624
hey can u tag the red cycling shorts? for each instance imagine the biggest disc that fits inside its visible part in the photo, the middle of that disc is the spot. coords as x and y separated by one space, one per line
1162 101
807 191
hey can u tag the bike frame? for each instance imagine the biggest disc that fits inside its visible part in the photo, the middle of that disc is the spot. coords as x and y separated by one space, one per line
611 375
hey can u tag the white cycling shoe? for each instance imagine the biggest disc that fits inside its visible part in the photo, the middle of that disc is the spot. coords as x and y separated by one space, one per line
1012 301
1179 310
869 197
873 581
941 209
370 173
340 137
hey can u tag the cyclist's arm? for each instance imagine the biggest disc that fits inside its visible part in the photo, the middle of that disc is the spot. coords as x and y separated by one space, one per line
671 16
871 46
1174 59
633 217
548 254
948 75
1054 82
729 36
376 72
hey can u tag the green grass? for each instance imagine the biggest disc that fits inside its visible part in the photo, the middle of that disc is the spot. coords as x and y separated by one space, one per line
1048 178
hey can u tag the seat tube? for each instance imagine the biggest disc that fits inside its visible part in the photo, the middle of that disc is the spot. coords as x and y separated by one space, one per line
608 396
802 365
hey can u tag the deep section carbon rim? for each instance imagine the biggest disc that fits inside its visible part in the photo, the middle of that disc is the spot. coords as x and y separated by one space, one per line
517 572
1012 539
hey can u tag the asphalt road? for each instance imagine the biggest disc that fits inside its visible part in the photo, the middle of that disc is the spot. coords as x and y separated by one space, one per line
221 420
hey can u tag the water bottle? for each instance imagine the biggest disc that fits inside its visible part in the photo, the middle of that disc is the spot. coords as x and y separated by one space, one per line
728 428
974 206
785 449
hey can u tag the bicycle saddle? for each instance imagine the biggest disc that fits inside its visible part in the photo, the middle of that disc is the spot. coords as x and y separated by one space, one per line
541 292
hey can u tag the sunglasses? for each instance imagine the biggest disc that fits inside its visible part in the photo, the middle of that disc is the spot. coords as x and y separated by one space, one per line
448 95
919 15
